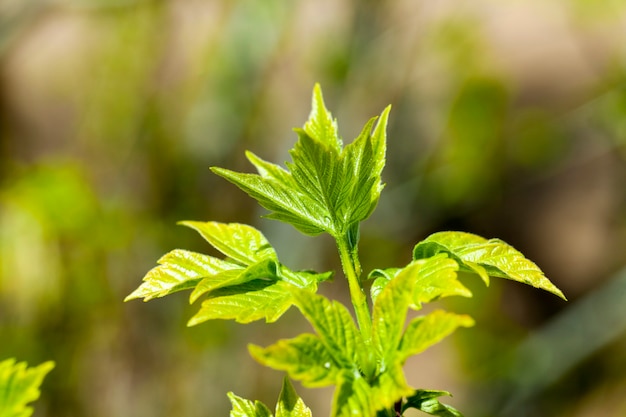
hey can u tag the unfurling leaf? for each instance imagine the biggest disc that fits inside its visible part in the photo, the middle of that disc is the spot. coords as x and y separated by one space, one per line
19 386
491 257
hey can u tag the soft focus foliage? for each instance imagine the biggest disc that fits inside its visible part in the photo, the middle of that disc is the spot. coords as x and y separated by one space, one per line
19 386
508 120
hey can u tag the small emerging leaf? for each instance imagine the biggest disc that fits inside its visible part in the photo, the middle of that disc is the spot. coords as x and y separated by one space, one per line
491 257
290 404
19 386
426 401
247 408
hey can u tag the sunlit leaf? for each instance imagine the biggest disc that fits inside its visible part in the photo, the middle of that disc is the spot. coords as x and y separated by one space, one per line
304 358
364 160
334 326
389 316
326 188
491 257
19 386
272 171
286 203
432 278
179 270
250 284
321 126
244 303
425 331
242 243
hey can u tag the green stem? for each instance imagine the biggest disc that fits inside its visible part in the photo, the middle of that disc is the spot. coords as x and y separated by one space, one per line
352 270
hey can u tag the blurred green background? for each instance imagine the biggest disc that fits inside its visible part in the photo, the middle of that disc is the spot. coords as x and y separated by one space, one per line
508 120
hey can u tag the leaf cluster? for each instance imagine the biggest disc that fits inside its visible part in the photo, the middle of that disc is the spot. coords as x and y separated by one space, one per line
329 187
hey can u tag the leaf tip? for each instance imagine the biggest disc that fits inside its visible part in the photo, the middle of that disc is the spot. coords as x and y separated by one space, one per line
46 367
130 297
558 293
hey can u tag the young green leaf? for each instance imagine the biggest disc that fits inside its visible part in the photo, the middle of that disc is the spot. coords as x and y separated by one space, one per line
266 270
248 302
336 355
19 386
425 331
321 126
286 203
392 343
242 243
290 404
179 270
364 161
250 284
432 278
426 401
334 326
353 397
389 316
491 257
247 408
304 358
326 188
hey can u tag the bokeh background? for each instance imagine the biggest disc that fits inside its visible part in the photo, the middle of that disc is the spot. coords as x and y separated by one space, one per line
508 120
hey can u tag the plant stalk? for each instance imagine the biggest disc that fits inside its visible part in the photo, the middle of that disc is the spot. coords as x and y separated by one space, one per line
352 270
